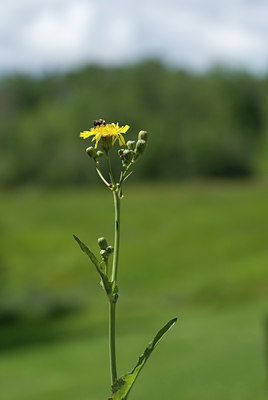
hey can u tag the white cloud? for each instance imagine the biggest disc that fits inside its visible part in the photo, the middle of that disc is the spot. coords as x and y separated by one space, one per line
38 35
57 32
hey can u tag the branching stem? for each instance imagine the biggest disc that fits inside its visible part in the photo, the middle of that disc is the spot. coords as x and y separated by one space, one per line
101 176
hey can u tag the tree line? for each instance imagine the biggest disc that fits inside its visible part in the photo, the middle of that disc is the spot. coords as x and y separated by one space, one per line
202 125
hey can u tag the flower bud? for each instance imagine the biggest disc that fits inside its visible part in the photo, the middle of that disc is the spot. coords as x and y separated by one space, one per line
140 147
91 152
110 250
143 135
99 153
104 254
102 242
127 155
120 153
131 145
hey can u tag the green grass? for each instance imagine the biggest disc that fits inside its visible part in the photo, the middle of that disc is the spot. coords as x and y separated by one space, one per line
197 251
210 354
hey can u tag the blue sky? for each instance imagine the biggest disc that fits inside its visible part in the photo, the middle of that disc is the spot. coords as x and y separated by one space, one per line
51 35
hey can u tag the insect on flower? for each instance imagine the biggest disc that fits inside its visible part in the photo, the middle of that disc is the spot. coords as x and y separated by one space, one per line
107 133
99 122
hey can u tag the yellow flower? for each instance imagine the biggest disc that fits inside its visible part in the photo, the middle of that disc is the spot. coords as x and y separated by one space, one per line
109 133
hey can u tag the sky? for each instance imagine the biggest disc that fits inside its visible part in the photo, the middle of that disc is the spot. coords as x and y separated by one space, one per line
39 36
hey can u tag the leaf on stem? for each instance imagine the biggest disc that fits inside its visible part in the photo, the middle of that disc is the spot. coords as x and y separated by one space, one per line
124 384
110 288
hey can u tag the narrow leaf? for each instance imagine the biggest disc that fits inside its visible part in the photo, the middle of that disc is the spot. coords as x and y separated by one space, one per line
110 288
86 250
121 388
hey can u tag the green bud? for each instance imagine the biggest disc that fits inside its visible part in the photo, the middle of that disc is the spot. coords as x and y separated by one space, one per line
120 153
140 147
91 152
127 155
110 250
131 145
104 254
99 153
102 242
143 135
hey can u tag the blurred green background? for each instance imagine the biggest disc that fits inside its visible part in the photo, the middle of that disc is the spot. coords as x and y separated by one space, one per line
194 234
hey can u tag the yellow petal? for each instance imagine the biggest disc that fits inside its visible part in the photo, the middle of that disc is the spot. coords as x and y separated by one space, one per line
97 141
121 139
85 134
124 129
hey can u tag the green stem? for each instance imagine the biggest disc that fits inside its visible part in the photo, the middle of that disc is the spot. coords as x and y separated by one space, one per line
125 173
116 234
102 177
112 309
110 168
112 342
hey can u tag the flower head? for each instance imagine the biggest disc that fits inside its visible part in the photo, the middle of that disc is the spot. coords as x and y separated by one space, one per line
109 133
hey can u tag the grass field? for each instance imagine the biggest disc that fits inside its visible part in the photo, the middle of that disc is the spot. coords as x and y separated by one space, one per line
196 251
